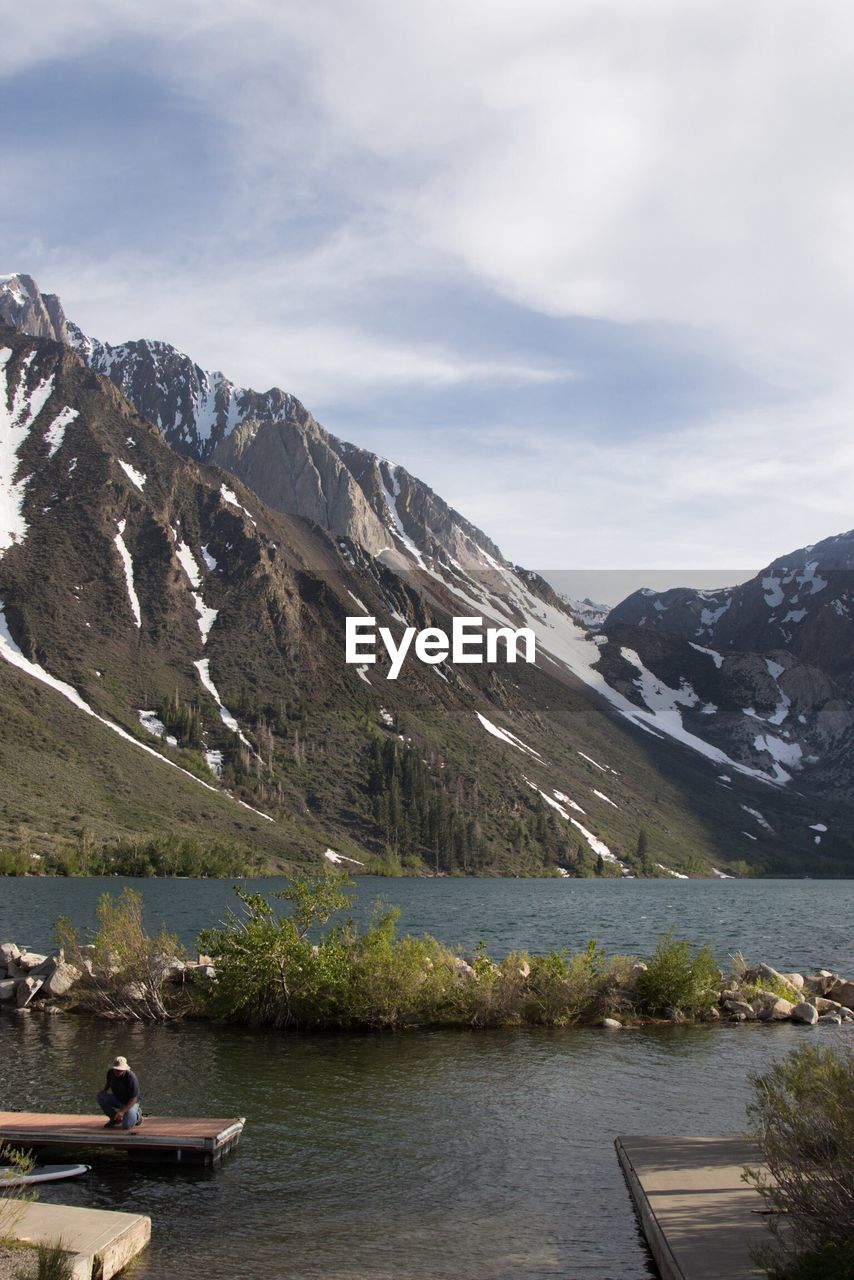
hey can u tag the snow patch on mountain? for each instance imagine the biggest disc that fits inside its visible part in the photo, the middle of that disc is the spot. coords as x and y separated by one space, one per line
203 666
206 617
773 589
391 505
55 433
127 565
13 526
10 653
564 799
504 735
677 875
763 822
231 497
598 846
717 658
136 477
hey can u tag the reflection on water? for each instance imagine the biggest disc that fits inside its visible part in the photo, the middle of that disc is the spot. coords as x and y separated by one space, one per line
449 1154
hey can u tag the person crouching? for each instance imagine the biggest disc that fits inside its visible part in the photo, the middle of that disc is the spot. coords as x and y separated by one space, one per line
119 1099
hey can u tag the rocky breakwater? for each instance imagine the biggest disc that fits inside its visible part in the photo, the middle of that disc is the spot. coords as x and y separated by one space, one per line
50 982
763 994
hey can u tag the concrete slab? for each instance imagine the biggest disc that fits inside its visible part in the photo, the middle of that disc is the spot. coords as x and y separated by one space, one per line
102 1241
700 1220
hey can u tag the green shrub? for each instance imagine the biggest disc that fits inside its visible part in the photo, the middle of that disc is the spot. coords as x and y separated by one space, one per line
803 1117
126 971
19 1164
678 979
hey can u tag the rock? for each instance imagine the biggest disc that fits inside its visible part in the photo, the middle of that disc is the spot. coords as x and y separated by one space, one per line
710 1015
173 969
7 988
826 1006
819 983
640 967
207 971
835 1018
739 1010
524 969
843 991
612 1024
766 974
795 980
30 960
48 965
61 980
771 1008
25 989
207 960
805 1013
8 951
462 968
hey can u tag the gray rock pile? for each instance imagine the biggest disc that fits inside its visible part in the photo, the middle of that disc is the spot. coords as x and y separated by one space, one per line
30 978
762 994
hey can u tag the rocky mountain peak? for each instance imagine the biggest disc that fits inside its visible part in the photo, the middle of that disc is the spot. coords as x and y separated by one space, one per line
25 307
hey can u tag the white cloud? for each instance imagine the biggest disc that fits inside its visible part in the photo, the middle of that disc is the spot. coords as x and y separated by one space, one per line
742 488
664 162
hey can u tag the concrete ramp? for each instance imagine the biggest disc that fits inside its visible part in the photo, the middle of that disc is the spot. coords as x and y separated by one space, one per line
700 1220
100 1241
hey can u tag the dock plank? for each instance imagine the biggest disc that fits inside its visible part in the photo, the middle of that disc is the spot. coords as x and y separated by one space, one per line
700 1220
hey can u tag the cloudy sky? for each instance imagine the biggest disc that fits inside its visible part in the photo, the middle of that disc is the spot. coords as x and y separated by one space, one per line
586 268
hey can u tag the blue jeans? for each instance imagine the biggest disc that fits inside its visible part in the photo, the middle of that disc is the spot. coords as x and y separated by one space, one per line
110 1105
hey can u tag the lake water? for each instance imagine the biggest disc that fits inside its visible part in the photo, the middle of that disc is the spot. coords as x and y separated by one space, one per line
793 924
472 1156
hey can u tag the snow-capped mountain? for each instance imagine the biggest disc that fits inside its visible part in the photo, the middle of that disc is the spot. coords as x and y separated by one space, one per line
409 557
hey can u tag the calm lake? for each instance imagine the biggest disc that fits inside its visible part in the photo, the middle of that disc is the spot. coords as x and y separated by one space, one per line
477 1156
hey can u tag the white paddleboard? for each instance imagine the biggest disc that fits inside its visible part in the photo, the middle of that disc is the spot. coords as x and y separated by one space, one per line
10 1177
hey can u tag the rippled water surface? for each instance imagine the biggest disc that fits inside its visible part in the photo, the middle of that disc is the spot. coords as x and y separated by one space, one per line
419 1157
795 924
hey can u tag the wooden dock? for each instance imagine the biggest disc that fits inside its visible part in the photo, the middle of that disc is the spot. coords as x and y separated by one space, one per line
182 1139
700 1220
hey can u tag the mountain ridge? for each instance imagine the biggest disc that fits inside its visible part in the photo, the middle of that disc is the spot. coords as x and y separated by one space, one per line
414 577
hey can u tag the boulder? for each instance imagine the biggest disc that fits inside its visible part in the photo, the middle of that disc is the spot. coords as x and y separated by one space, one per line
462 968
843 991
612 1024
48 965
30 960
738 1010
805 1013
771 1008
826 1006
524 969
795 980
61 980
173 969
831 1017
202 960
7 988
820 983
8 951
206 971
25 989
766 974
